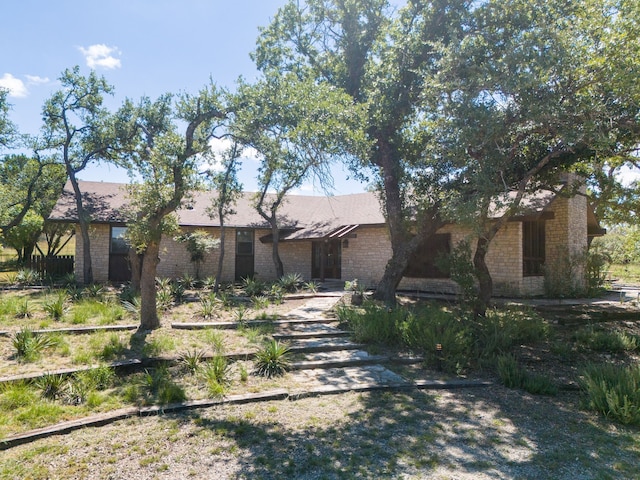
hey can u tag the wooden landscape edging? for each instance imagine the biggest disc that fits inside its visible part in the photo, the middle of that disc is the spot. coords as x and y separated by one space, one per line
272 395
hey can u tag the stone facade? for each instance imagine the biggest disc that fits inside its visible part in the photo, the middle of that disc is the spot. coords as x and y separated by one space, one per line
365 253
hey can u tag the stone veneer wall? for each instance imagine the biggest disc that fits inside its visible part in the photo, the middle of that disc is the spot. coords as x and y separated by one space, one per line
367 253
99 235
567 239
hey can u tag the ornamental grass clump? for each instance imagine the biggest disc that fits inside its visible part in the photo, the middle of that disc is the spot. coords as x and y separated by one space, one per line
613 391
29 346
272 360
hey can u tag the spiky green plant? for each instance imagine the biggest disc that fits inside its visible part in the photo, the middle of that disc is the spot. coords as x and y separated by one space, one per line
191 360
29 346
272 360
51 385
290 282
57 307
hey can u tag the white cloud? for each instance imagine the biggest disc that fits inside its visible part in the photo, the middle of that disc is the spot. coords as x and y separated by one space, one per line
101 55
16 87
36 80
219 147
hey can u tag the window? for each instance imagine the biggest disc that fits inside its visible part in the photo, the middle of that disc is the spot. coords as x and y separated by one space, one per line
118 241
423 263
244 242
533 256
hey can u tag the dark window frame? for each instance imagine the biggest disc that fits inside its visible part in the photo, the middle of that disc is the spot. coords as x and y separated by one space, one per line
533 248
118 245
242 243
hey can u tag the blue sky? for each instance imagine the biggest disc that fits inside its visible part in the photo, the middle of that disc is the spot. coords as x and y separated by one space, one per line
142 47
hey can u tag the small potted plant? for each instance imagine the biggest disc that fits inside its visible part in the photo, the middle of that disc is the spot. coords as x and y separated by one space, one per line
357 291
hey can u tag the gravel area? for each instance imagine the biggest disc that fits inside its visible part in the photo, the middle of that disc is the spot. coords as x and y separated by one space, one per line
483 433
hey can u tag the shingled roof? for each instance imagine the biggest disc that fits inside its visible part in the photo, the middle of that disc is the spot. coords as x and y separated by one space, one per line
304 216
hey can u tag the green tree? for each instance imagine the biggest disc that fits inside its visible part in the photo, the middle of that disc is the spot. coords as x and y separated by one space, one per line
297 127
24 236
7 128
79 130
27 184
523 98
228 189
198 243
384 61
166 162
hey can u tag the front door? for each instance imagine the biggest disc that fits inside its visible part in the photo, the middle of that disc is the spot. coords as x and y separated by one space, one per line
244 254
326 261
119 267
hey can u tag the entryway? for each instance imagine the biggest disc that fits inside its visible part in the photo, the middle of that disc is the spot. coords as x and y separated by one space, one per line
326 259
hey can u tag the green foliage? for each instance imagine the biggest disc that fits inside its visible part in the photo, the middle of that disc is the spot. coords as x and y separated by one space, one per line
24 236
290 282
260 302
513 375
99 378
600 340
216 372
156 384
448 340
14 395
311 286
56 307
198 243
26 276
253 287
208 306
29 346
158 345
272 360
51 385
191 360
613 391
460 267
112 349
376 324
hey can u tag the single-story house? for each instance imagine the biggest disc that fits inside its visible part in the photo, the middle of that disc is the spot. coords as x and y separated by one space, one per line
339 237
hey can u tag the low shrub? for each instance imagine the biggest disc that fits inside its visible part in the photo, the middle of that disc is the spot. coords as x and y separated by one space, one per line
56 307
28 346
290 282
216 372
253 287
613 391
376 324
272 360
603 341
513 375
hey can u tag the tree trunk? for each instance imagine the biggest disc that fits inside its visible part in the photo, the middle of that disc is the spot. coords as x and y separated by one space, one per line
136 267
393 272
149 319
277 262
216 287
83 221
482 274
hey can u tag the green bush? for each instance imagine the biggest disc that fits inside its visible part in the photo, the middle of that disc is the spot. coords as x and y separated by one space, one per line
57 307
376 324
272 360
216 374
444 340
613 391
253 287
29 346
290 282
513 375
602 341
501 330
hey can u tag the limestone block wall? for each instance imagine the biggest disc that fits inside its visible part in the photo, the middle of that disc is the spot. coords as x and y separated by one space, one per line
366 256
296 258
99 237
567 239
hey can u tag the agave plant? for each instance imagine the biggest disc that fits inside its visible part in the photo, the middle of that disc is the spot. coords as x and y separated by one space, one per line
28 345
272 360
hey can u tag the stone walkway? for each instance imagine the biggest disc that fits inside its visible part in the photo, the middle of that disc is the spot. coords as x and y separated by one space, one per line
349 376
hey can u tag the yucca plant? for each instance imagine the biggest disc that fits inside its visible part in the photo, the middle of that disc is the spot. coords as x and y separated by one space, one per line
57 307
191 360
290 282
23 309
208 307
216 370
272 360
51 385
28 345
260 302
